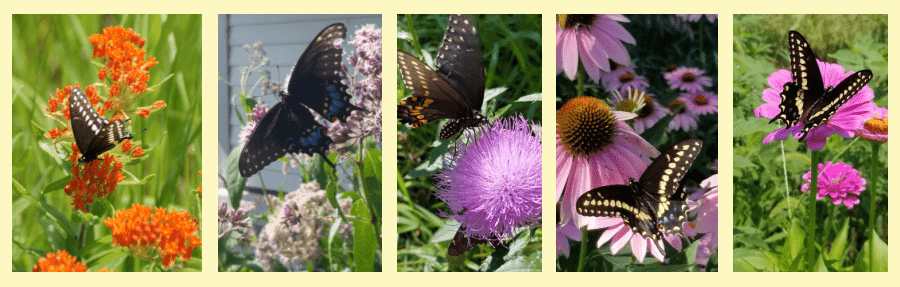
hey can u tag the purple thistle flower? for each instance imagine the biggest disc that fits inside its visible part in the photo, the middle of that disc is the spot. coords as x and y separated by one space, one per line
839 181
493 184
849 117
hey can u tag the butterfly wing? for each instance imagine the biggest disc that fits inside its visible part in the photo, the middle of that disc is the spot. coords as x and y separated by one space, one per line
662 181
672 219
459 60
620 201
94 134
822 110
281 131
110 135
316 79
432 99
798 96
462 244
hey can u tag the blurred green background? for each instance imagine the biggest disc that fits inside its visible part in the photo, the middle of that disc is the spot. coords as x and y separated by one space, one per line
52 51
511 46
769 225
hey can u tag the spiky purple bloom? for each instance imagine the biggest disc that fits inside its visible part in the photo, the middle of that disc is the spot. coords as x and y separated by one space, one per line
493 184
849 117
839 181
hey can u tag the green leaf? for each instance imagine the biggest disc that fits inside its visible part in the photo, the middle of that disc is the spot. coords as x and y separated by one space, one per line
57 185
881 257
371 176
364 238
234 182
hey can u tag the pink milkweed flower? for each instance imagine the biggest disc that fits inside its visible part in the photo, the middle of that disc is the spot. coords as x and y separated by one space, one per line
623 78
701 103
839 181
848 118
707 220
493 184
875 128
594 39
688 79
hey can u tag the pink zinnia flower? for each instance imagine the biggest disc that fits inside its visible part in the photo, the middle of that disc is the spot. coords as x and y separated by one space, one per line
683 120
493 184
595 39
839 181
594 147
875 128
849 117
648 113
688 79
624 78
701 103
707 220
564 232
696 17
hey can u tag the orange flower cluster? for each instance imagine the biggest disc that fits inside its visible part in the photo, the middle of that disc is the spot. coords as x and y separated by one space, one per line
61 261
58 106
122 49
173 234
95 179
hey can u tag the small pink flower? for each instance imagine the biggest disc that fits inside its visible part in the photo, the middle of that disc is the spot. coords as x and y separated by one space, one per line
848 118
701 103
683 120
624 78
594 39
688 79
839 181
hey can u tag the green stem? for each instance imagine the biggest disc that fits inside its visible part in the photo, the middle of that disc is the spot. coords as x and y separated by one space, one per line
580 85
583 253
872 191
811 212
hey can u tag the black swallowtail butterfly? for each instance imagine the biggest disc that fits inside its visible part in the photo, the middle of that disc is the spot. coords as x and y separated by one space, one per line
289 127
806 100
94 134
655 204
455 91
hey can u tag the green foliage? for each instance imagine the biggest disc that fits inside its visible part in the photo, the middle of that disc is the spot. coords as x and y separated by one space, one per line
53 51
511 45
770 212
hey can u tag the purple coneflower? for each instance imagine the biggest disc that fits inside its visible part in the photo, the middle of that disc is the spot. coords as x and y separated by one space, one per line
623 78
707 220
696 17
683 119
688 79
875 128
595 39
701 103
848 118
648 113
564 232
839 181
493 184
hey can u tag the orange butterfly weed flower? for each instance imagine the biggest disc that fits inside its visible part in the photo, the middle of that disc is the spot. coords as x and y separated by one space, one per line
127 67
172 234
61 261
137 152
126 145
92 180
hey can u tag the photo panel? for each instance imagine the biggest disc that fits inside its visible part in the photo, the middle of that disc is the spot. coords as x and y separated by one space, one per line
636 142
300 143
